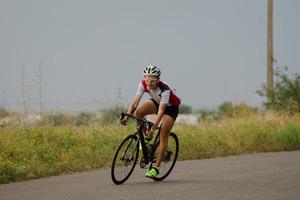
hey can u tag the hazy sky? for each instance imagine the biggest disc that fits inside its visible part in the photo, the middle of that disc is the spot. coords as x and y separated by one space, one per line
211 51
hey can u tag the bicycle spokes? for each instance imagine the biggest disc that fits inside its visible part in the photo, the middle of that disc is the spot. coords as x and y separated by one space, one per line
125 160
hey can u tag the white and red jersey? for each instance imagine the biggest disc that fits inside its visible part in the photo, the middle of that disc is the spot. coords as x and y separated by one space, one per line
162 94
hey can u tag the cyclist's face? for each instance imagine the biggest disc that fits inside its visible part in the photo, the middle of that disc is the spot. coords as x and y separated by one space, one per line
151 81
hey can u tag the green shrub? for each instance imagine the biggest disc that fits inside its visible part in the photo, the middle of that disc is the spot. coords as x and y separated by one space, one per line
83 118
59 119
206 114
285 94
185 109
228 109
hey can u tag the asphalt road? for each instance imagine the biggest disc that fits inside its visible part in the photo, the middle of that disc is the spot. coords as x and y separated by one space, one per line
258 176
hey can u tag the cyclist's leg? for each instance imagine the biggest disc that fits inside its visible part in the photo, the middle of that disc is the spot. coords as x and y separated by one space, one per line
168 120
146 108
167 125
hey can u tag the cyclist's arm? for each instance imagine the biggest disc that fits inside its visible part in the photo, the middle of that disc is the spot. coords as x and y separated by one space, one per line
134 103
136 100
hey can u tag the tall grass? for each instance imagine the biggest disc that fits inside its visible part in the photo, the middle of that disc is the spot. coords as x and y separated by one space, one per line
232 136
43 151
31 152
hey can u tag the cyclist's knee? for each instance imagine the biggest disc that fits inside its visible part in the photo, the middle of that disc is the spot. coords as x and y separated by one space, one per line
139 112
145 108
167 124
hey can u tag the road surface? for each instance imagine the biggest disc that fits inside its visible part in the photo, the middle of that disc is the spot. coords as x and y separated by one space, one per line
265 176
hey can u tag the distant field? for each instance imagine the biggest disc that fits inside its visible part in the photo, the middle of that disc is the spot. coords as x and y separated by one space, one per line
40 151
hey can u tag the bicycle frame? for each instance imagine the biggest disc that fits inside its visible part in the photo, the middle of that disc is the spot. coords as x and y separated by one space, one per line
148 156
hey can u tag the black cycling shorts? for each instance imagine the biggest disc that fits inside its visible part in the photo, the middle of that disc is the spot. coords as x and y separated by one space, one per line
172 111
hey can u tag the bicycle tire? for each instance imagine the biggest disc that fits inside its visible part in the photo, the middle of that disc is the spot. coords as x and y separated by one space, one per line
167 166
125 160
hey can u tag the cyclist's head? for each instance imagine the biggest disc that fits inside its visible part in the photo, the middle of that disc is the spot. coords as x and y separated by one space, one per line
152 70
151 75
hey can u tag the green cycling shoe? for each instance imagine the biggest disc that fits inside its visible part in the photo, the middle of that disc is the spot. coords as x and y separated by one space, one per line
151 173
147 140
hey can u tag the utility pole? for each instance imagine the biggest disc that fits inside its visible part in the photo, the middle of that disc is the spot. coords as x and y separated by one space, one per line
39 76
270 51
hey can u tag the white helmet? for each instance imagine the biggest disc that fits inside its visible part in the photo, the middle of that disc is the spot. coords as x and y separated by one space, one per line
152 71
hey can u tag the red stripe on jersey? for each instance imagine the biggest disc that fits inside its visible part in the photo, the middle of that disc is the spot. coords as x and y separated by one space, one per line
174 100
145 85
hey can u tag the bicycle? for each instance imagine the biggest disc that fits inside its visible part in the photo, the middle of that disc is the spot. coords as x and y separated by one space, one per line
127 153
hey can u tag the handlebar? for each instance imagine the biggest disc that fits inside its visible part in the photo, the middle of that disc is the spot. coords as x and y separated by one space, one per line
147 122
133 117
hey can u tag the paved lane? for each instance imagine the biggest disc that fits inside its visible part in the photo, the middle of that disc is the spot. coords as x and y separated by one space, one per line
258 176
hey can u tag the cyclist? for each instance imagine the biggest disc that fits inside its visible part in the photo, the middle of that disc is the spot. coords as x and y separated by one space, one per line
163 102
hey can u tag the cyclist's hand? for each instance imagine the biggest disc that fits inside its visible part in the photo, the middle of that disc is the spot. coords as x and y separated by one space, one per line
123 120
151 131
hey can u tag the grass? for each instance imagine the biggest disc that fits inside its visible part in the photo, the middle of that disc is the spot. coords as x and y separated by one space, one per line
44 151
32 152
234 136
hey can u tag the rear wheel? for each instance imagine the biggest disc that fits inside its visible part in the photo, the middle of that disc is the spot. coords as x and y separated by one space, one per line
169 158
125 159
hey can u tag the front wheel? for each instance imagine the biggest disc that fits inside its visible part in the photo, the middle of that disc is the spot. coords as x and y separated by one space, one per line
125 159
169 158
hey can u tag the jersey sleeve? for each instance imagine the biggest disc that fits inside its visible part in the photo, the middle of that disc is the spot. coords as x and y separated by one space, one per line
165 97
140 91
